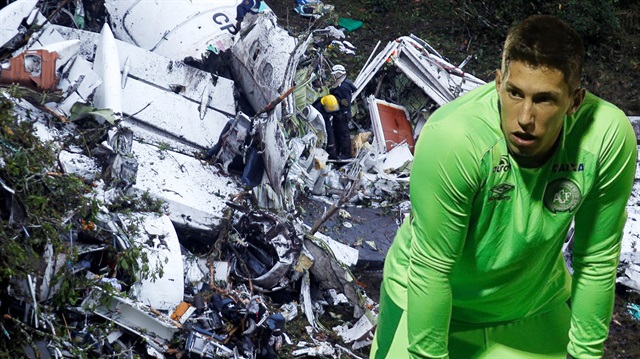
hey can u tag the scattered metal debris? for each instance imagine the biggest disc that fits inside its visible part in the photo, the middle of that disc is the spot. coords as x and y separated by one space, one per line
224 264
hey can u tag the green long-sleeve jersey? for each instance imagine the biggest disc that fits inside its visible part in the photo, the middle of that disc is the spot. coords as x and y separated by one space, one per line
483 244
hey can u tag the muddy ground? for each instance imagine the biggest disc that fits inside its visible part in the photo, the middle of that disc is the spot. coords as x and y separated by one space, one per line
460 28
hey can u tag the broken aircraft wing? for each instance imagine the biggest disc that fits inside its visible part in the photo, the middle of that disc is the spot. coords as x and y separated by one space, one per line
162 94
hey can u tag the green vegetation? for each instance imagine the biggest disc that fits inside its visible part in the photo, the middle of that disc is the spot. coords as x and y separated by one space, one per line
44 210
477 28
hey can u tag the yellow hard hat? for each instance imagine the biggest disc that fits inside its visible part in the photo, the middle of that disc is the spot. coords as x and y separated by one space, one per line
330 103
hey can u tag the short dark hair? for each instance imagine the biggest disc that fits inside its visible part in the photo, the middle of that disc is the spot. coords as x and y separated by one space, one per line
544 40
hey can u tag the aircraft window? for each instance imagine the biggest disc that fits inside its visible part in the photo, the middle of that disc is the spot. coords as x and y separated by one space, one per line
254 50
267 73
33 64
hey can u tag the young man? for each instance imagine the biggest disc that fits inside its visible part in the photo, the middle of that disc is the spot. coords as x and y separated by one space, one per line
499 174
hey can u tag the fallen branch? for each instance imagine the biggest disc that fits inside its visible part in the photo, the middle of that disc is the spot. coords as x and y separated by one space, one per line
353 185
66 326
275 102
25 329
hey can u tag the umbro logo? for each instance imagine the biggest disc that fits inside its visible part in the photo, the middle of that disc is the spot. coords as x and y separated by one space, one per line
499 192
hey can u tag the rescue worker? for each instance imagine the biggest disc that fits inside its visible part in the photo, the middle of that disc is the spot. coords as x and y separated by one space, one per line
245 7
343 91
499 175
328 108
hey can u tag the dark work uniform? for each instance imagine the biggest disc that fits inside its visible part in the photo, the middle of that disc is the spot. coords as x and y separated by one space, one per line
331 141
343 93
245 7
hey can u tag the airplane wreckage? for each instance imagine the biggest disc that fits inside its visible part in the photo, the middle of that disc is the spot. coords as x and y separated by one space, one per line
130 112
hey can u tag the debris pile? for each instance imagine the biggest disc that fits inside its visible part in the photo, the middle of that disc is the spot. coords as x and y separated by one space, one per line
152 186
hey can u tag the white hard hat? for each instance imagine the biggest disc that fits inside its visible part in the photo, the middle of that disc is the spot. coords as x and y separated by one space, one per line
338 69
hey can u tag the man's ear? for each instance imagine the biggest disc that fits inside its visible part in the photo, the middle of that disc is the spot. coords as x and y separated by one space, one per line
578 98
498 79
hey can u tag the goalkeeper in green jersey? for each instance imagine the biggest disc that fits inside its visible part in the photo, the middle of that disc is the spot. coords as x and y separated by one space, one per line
477 270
